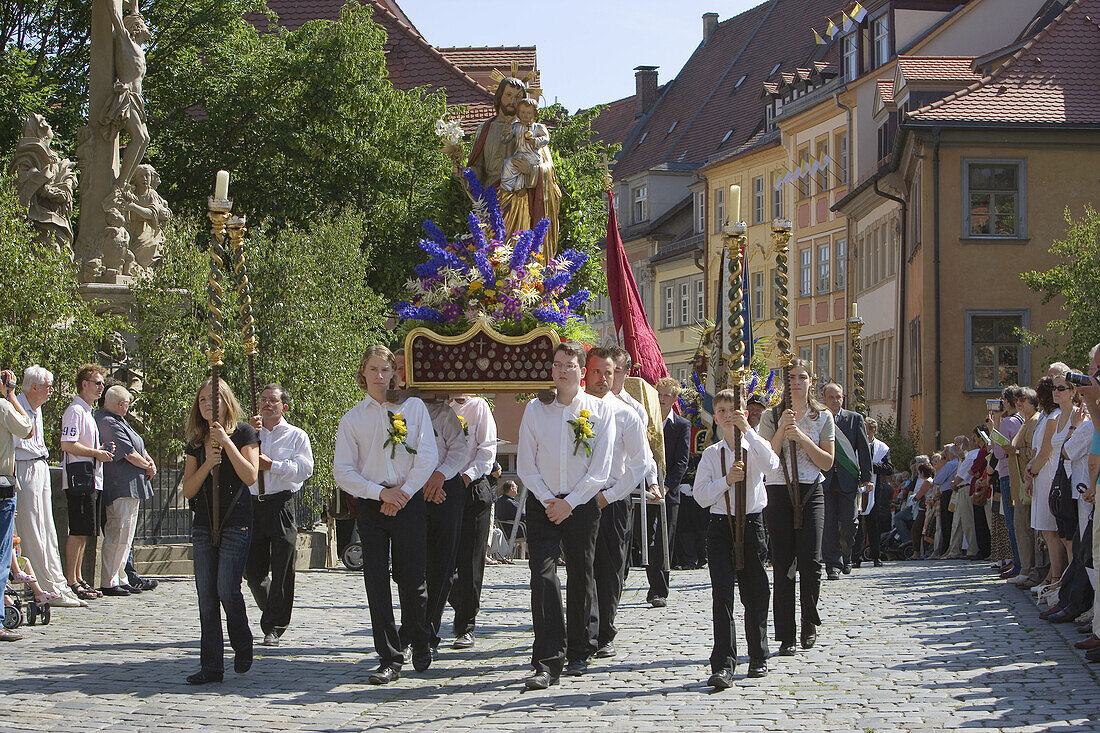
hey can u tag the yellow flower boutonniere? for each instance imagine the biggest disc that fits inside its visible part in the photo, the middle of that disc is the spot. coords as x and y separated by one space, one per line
465 425
582 432
398 434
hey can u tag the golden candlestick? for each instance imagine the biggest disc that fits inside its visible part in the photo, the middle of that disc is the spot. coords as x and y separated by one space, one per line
781 236
218 212
859 395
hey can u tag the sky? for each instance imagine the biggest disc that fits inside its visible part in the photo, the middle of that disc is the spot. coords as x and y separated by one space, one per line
587 49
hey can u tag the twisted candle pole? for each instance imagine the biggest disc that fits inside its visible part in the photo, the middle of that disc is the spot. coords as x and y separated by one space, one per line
236 229
735 321
781 235
855 325
218 212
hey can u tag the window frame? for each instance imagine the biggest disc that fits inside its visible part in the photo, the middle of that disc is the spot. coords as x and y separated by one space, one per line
700 211
805 272
1021 198
700 300
824 267
639 203
840 363
685 302
777 197
823 184
850 55
719 209
758 200
840 257
823 373
669 304
880 43
969 315
843 147
757 296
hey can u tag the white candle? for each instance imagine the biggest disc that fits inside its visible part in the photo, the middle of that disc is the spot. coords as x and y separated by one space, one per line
735 204
221 186
854 311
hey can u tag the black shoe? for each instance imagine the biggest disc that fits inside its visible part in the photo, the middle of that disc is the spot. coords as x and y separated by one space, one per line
242 662
832 574
422 658
786 649
848 568
114 590
201 678
878 563
854 565
721 680
758 669
385 674
1093 655
809 637
539 681
146 583
576 668
605 651
658 602
132 590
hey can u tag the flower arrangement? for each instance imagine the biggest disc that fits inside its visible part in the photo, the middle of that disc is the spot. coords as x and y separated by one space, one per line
398 434
691 404
582 432
487 275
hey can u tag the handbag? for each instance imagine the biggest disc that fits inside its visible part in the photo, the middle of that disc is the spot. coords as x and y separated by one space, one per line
7 486
1061 502
81 475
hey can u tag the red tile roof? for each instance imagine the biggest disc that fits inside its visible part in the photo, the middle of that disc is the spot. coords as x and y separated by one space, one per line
886 90
410 60
615 121
1052 80
706 101
948 69
480 61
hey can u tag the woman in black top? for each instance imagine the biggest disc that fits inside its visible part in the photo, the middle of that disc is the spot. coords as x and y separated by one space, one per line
219 549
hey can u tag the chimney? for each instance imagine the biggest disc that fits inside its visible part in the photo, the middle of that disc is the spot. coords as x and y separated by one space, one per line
710 25
645 89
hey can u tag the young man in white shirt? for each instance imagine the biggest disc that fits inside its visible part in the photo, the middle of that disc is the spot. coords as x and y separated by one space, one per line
445 498
80 443
286 462
630 457
715 486
465 596
384 455
564 460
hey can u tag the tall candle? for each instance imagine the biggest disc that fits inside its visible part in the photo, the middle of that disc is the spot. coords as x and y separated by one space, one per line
221 186
735 204
854 311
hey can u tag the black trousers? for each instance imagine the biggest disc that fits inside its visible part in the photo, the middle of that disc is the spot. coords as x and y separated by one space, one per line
404 534
443 523
473 542
608 568
981 532
795 552
692 525
867 543
752 581
840 526
946 517
272 555
657 570
559 636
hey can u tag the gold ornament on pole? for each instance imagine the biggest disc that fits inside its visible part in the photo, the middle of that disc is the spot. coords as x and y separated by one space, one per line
781 236
855 325
732 367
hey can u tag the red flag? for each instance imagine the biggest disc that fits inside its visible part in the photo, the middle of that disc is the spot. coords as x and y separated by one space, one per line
626 306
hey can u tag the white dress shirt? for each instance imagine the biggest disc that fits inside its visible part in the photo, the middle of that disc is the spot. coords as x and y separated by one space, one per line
450 440
28 449
291 456
547 463
638 407
630 455
362 466
79 426
710 482
482 427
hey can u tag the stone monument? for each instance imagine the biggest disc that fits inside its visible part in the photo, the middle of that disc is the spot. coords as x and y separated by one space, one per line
45 182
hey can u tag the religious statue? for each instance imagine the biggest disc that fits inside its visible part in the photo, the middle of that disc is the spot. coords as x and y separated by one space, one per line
114 256
536 194
149 213
125 110
45 182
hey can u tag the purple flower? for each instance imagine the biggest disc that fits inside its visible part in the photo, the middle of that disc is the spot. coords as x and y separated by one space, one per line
452 312
521 251
434 233
476 234
476 191
573 260
755 381
771 380
496 219
547 315
576 301
540 234
408 312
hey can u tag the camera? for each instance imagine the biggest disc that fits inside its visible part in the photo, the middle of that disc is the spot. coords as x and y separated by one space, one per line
995 405
1081 380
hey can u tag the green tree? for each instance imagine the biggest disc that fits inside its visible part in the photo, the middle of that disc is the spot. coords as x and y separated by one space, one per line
1076 279
46 321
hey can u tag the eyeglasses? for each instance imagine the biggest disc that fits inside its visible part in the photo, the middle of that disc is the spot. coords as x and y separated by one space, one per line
98 383
1063 388
566 367
270 400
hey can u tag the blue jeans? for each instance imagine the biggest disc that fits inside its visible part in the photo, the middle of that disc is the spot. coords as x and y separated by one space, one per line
7 531
219 572
1010 512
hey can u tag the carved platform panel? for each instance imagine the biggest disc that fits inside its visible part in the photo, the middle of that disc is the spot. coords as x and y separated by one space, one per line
479 359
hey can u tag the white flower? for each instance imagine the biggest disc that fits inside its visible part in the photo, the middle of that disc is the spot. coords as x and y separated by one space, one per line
449 131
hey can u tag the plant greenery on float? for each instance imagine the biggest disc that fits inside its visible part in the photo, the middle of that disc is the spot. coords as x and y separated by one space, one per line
485 275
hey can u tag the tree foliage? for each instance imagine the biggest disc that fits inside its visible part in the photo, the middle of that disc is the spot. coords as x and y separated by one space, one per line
46 321
1076 279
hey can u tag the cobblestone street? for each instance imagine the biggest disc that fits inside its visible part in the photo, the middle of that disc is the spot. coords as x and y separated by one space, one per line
912 646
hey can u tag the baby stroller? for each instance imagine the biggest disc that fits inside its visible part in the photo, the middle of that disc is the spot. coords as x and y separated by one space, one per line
14 614
895 546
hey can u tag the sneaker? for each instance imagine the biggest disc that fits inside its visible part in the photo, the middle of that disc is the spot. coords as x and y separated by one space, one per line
270 639
1085 618
1017 580
464 642
68 602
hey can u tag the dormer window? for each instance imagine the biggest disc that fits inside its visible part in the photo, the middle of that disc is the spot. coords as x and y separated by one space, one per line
673 127
740 81
850 48
880 32
775 69
727 137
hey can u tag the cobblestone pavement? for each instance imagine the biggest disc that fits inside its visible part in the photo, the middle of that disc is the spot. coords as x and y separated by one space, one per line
912 646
